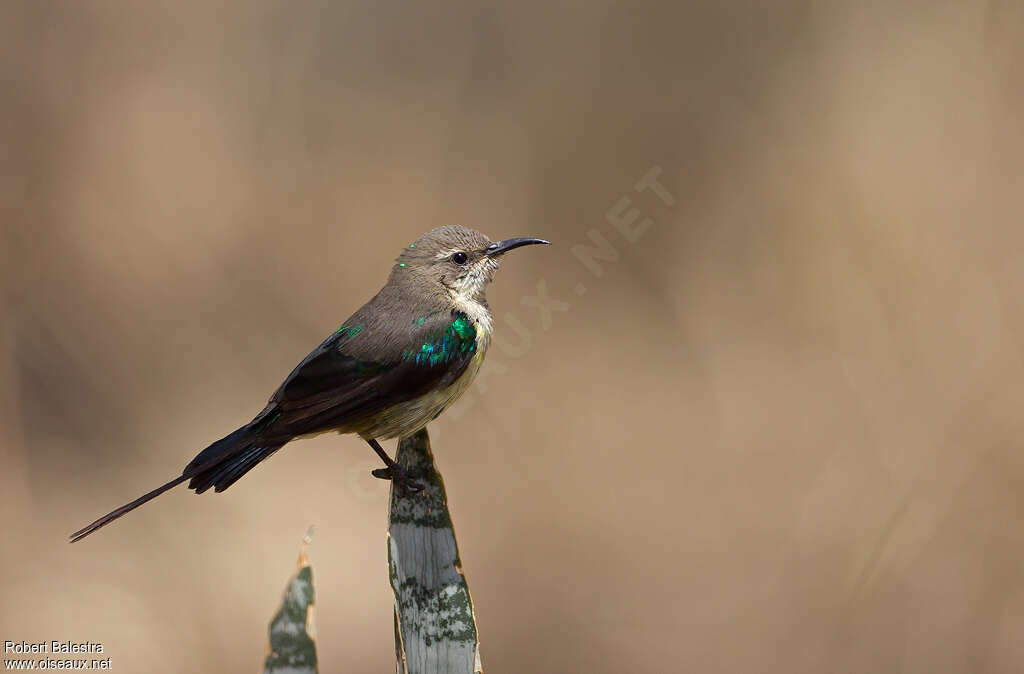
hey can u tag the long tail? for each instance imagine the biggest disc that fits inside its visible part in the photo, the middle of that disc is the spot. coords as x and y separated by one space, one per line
126 508
218 466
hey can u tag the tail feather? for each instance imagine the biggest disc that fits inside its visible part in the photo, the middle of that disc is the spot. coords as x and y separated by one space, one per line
125 509
227 447
219 466
224 474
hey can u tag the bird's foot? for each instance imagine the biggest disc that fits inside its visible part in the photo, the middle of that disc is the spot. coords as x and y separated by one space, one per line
399 478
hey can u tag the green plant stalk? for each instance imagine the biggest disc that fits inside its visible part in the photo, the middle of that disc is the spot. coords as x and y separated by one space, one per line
435 626
291 646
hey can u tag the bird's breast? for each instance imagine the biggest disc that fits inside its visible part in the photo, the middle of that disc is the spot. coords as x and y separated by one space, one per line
405 418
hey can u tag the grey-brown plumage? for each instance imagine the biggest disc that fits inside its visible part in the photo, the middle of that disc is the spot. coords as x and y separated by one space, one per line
386 372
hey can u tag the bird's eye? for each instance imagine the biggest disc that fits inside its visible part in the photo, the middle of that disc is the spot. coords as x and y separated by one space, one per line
459 258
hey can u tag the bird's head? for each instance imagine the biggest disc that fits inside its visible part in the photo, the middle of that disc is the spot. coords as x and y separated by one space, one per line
456 260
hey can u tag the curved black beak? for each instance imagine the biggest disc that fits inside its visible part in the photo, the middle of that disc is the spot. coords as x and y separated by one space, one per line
499 247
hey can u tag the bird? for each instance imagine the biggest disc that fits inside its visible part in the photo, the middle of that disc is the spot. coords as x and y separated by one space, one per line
391 368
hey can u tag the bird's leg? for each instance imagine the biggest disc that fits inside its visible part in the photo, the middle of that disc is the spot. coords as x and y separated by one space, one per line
393 472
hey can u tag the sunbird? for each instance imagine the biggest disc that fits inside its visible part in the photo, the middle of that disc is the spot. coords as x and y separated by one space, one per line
395 365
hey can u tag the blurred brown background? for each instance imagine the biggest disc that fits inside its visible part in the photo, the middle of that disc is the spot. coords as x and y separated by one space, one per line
781 432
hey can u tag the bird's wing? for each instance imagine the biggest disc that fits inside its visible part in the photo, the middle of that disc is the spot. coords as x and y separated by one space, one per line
367 365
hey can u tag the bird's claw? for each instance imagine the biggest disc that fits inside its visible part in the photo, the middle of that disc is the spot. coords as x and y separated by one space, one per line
399 478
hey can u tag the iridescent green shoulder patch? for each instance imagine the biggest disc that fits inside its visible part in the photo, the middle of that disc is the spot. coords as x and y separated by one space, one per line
459 337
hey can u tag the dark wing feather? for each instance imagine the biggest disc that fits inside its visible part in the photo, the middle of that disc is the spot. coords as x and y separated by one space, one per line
375 360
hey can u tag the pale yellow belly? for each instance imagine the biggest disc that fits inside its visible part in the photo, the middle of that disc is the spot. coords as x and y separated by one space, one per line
406 418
